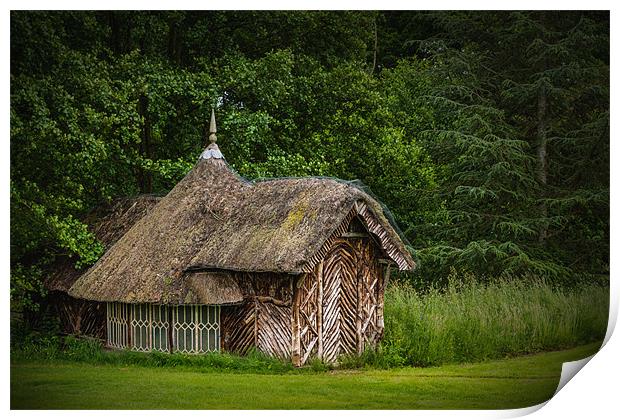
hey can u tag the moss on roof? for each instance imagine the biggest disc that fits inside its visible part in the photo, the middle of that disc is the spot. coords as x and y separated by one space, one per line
214 219
108 222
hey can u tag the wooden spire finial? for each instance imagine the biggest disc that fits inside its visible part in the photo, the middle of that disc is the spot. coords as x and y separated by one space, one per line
212 150
212 128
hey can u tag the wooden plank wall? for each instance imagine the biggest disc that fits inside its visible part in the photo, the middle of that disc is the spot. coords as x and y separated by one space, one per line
263 320
307 320
237 324
274 330
370 295
78 316
338 308
340 303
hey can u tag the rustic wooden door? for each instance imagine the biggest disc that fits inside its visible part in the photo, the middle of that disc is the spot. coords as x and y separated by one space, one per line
339 303
369 295
351 283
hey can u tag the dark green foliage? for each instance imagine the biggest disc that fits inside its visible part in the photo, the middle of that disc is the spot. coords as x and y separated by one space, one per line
466 322
543 79
443 119
469 321
514 113
49 347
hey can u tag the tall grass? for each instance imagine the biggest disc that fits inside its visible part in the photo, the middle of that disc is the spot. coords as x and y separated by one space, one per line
89 350
467 321
470 321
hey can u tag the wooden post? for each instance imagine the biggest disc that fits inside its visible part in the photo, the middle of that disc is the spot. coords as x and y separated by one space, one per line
358 311
255 323
386 277
170 327
295 337
380 298
319 317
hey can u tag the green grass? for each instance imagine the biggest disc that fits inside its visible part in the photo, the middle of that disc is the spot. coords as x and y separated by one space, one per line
467 322
49 348
508 383
471 321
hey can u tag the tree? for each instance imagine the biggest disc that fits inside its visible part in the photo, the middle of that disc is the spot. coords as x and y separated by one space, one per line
486 133
539 78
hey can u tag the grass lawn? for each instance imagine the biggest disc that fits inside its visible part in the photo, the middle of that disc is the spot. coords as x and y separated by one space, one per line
510 383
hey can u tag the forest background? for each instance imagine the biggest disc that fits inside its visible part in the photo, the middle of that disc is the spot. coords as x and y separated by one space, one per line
485 133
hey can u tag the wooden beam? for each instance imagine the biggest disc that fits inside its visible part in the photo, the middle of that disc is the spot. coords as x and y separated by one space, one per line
319 321
386 277
170 326
295 333
380 319
354 235
309 350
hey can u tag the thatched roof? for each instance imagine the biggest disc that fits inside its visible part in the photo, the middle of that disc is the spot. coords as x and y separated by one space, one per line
211 288
108 223
213 219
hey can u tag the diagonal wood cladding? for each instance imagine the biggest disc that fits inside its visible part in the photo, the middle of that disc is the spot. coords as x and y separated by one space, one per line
263 321
340 303
334 310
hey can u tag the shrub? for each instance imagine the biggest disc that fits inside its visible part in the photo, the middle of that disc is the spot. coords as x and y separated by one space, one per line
84 349
467 321
471 321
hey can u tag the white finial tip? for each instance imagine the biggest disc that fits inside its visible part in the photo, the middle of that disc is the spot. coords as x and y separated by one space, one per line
212 127
212 151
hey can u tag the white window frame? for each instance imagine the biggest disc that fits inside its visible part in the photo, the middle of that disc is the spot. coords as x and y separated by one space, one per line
126 326
155 319
117 332
195 326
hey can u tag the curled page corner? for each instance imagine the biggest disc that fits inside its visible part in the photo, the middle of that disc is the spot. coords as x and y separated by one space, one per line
569 370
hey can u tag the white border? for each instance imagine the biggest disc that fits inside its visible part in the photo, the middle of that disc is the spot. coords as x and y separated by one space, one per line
310 5
592 393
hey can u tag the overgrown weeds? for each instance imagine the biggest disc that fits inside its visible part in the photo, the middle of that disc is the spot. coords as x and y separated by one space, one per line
470 321
69 348
467 321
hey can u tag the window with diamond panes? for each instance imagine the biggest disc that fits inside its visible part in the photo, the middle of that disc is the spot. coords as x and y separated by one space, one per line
118 314
140 324
149 327
196 328
159 328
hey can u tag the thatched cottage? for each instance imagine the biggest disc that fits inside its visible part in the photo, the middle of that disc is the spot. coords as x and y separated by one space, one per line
295 267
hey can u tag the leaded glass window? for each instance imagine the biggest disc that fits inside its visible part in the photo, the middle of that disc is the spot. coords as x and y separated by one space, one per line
149 327
146 327
159 328
196 328
117 325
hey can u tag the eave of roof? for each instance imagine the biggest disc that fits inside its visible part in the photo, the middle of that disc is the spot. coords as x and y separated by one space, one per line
215 219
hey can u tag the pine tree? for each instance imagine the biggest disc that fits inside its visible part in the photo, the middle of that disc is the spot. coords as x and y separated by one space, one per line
530 146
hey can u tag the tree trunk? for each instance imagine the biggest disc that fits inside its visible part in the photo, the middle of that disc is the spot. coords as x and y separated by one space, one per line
174 41
541 155
374 54
145 178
